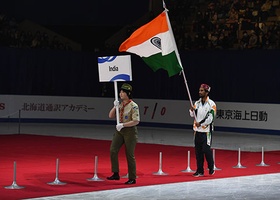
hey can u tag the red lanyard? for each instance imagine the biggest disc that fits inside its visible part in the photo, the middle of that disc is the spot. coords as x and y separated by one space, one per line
122 110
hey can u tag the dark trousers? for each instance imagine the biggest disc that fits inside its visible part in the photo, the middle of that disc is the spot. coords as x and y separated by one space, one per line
128 137
202 149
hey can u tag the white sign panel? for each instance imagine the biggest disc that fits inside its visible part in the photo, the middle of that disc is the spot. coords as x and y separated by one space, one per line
153 111
229 114
114 68
54 107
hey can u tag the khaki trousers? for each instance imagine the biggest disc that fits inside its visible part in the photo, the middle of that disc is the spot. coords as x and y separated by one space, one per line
127 136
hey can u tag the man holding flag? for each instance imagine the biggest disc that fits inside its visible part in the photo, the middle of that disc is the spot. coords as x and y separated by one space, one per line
205 111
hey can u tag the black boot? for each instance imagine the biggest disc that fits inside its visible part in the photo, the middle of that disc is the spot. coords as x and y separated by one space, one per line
115 176
130 181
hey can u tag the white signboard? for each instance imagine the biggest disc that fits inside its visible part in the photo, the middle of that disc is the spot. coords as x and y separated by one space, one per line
114 68
249 116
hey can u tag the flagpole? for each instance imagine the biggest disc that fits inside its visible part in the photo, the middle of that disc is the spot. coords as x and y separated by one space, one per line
116 99
178 56
186 83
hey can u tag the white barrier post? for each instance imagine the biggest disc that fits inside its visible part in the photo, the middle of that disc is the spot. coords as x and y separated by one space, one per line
160 172
127 175
188 169
214 157
262 162
14 184
239 158
95 177
56 180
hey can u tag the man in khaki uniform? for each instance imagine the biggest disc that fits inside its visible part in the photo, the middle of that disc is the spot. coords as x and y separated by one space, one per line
126 133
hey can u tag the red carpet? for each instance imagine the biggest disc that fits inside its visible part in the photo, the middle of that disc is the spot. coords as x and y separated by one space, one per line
36 156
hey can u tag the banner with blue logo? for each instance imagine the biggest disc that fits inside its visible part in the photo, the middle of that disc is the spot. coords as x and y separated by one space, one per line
114 68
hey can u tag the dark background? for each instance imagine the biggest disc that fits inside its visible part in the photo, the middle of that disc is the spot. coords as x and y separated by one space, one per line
234 75
73 12
87 22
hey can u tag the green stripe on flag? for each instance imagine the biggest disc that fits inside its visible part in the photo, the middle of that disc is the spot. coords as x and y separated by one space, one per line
169 63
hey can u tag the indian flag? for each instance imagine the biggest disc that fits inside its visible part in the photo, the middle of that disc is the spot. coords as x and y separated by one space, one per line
155 43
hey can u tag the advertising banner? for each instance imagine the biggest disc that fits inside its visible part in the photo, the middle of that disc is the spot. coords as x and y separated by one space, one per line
153 111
